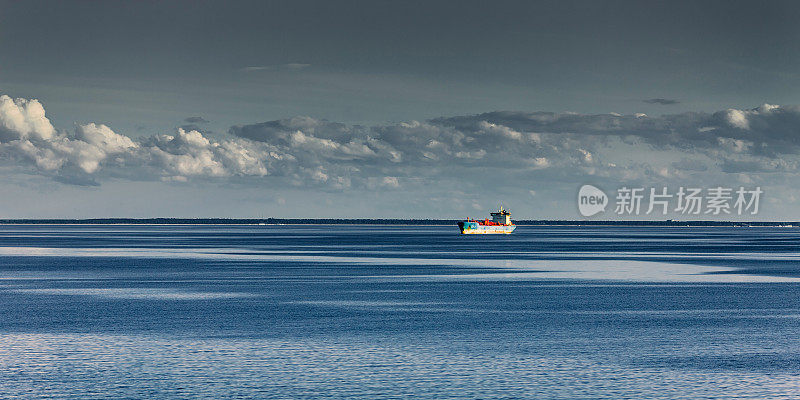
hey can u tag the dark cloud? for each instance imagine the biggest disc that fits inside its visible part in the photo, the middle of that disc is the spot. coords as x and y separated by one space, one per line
663 102
688 164
77 179
278 67
278 131
767 130
758 166
196 120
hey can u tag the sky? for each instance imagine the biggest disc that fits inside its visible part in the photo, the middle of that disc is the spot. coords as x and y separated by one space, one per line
414 109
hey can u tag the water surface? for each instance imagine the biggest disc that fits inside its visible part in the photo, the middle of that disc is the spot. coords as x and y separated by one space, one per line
398 311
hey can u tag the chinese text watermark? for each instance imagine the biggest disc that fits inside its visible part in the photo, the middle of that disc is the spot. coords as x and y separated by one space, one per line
685 200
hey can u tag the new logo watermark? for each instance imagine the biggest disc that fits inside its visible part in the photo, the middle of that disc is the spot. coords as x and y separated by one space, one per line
685 200
591 200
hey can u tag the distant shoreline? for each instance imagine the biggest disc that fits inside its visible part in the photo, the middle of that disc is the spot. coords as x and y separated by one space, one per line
377 221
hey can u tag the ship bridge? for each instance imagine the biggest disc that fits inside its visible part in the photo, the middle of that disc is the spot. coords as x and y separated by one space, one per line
501 217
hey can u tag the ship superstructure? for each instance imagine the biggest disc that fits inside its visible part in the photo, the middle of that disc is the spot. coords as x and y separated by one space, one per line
499 223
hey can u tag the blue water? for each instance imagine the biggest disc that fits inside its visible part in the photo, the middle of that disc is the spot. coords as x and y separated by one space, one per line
398 312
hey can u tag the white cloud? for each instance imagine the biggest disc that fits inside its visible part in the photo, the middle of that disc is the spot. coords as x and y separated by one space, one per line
23 119
738 119
192 154
104 138
391 181
488 149
500 130
540 162
587 156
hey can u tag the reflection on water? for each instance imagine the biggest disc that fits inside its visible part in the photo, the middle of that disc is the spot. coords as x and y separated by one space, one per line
459 367
135 293
370 312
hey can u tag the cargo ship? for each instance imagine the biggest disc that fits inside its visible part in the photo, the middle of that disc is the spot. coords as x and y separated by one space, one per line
500 223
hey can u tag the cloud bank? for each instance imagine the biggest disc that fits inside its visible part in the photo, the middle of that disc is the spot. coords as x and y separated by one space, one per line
661 101
494 149
277 67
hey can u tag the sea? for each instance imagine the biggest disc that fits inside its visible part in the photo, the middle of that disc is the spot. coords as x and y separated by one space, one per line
398 311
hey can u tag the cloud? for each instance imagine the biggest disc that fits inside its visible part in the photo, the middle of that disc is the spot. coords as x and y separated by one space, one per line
94 150
296 66
104 138
190 154
276 67
495 149
687 164
255 68
196 120
758 166
663 102
193 127
21 119
280 130
77 180
765 130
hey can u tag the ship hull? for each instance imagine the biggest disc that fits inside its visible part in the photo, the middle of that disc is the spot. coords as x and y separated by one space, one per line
474 228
